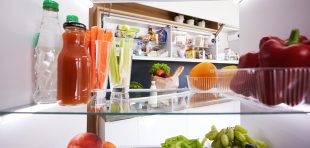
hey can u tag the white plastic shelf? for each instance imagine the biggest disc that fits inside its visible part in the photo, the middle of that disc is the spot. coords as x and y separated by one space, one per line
146 58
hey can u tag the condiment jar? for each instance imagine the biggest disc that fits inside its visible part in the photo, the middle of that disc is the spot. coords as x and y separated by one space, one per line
73 79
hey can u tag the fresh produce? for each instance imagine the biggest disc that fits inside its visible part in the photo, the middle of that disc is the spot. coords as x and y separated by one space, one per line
263 84
275 52
225 75
232 137
243 82
160 70
135 85
85 140
99 40
120 63
181 142
115 107
107 144
113 65
203 76
89 140
230 67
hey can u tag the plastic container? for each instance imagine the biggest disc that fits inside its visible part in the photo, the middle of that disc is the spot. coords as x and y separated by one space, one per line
190 22
270 86
73 79
46 53
202 24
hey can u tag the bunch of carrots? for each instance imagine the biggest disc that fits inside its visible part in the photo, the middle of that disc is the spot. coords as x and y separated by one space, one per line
99 42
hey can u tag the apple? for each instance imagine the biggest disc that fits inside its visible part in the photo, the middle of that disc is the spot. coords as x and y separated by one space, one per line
85 140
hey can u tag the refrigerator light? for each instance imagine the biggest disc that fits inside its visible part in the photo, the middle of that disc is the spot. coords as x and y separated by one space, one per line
88 3
237 1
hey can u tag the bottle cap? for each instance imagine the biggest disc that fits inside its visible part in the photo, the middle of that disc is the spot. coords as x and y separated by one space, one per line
50 4
73 21
72 18
153 82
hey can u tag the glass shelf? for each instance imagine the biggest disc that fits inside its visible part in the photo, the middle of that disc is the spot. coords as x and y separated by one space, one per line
169 102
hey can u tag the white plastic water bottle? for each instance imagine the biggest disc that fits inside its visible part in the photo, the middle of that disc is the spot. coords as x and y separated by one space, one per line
153 95
46 54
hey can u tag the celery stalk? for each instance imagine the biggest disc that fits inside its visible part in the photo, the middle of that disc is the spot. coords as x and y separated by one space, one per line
113 65
120 65
125 62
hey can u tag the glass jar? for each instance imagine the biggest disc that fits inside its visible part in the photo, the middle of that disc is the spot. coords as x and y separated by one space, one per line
119 102
120 65
73 81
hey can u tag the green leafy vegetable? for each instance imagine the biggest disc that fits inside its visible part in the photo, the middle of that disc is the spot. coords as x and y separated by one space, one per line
135 85
181 142
158 66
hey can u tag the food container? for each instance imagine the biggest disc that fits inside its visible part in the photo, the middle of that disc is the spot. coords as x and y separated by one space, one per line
270 86
120 60
170 82
202 24
179 18
190 21
199 41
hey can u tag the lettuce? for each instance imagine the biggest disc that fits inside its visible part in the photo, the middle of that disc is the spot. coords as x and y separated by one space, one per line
181 142
157 66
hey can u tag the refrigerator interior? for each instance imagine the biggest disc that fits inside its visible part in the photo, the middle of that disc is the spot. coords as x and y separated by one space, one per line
257 19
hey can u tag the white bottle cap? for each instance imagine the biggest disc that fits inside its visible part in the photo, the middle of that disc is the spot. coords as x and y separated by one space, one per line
153 82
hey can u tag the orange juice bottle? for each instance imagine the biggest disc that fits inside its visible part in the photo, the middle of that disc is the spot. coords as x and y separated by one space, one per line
73 79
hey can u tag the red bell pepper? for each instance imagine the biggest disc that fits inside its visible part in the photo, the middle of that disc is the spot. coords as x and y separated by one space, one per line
278 53
244 82
273 87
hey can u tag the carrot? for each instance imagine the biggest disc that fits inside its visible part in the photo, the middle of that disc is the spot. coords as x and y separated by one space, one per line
103 63
109 36
100 34
87 40
93 38
99 48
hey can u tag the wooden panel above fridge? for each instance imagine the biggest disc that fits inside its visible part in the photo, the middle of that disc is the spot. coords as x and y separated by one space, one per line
144 12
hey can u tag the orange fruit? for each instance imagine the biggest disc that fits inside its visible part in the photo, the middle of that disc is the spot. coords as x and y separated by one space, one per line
203 76
107 144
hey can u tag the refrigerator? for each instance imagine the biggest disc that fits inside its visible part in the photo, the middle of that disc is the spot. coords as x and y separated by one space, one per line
255 18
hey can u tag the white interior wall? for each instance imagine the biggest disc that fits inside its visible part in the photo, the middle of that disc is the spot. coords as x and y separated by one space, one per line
277 130
39 131
225 12
260 18
20 19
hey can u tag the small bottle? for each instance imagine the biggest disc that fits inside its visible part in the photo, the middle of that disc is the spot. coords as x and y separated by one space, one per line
153 95
45 54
